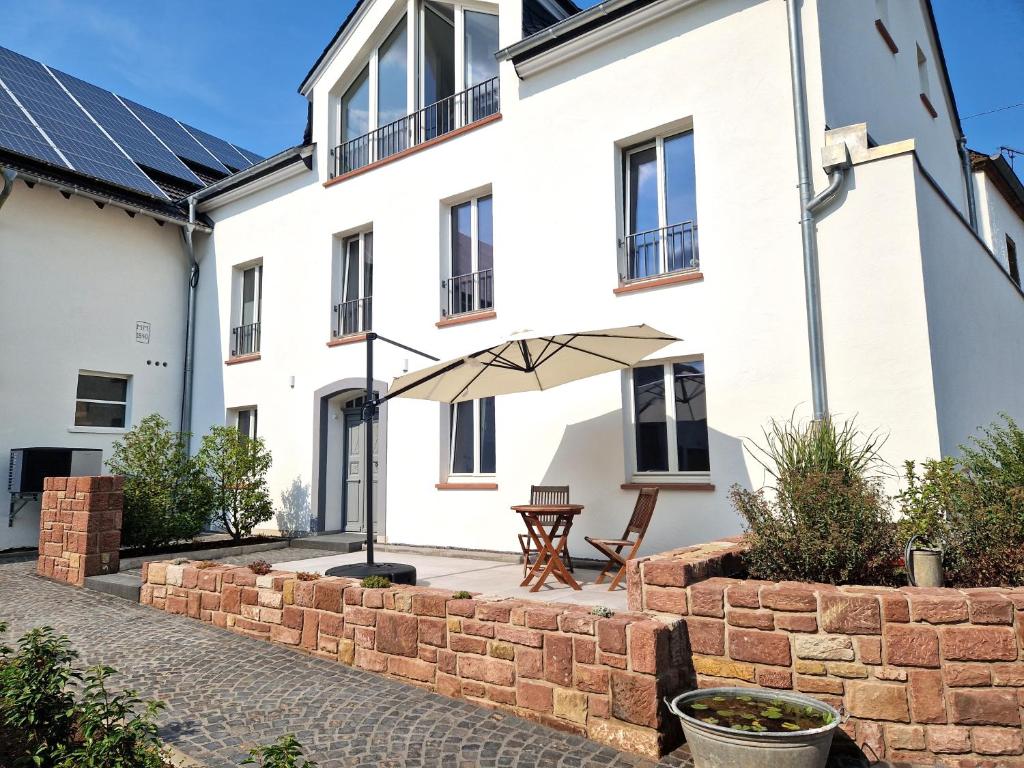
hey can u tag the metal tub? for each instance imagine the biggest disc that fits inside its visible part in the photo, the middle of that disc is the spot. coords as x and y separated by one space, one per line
714 746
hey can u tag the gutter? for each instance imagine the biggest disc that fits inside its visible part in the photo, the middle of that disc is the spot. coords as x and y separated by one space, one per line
560 29
190 325
965 162
300 151
836 164
8 176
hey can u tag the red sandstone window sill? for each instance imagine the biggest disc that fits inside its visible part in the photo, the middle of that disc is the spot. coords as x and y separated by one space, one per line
658 282
669 486
242 359
466 486
469 317
352 338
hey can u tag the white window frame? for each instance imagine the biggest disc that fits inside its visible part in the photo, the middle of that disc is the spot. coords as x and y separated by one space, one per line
452 422
235 417
340 284
459 30
257 293
474 259
673 475
127 403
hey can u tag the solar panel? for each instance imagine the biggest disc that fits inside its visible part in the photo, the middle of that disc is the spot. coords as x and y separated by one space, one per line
85 146
19 135
175 137
140 144
252 157
223 151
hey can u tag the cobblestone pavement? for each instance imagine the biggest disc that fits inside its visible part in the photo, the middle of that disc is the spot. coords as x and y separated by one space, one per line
226 692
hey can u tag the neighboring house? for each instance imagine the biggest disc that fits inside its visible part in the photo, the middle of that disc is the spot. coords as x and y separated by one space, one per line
95 272
445 197
455 197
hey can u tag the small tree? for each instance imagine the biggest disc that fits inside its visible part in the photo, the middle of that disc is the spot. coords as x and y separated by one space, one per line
237 466
166 496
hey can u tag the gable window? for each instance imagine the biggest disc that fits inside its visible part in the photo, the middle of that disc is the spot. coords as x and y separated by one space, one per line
470 287
471 441
353 285
245 334
661 208
1011 260
669 429
101 400
246 420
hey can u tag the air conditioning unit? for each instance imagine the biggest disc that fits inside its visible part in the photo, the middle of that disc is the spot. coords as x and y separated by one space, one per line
29 466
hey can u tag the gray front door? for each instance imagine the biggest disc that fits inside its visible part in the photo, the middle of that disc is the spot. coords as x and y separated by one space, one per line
353 504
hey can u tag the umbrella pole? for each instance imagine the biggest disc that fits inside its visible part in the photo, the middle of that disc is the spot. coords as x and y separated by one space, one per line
370 405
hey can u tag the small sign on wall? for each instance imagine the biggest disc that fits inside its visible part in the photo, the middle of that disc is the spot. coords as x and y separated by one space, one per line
142 332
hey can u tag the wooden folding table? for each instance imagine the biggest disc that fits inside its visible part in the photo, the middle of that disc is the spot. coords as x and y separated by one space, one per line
550 540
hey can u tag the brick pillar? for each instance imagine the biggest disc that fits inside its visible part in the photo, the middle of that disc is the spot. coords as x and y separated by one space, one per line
80 527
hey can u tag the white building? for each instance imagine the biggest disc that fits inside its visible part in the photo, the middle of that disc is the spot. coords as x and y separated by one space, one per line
445 198
95 270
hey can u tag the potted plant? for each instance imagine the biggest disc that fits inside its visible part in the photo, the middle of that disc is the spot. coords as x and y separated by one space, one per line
753 728
923 563
924 506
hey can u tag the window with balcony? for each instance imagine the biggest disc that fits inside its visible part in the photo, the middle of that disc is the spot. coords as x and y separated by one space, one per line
353 285
469 286
245 333
668 430
455 79
471 440
661 208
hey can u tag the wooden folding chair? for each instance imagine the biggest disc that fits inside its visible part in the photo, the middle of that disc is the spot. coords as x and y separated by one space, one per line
638 523
544 494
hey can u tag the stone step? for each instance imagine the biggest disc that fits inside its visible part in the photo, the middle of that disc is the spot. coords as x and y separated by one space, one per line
331 542
123 585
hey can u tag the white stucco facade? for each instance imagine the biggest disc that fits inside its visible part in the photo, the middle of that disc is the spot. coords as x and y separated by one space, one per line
553 164
77 280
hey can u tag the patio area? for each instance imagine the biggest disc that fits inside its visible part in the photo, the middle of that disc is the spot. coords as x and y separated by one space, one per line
488 577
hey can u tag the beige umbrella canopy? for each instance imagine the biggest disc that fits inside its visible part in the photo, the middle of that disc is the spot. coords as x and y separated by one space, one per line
528 363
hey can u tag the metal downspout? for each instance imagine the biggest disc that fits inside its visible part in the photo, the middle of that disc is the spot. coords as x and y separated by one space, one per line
8 176
190 323
808 205
972 202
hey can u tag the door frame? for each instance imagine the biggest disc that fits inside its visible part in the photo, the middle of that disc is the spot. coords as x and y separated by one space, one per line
321 422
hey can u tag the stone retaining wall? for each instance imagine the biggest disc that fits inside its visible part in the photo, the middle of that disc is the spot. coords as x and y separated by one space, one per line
555 664
80 527
928 676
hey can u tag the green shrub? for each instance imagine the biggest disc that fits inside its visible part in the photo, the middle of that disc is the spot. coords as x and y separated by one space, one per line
602 611
237 466
827 519
115 729
284 753
35 693
462 595
166 496
375 582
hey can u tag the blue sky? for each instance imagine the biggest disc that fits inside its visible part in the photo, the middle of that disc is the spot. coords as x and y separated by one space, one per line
231 67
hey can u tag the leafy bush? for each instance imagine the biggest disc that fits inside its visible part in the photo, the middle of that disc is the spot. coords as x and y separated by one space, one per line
827 519
166 496
602 611
47 728
283 753
462 595
237 466
260 567
973 510
35 695
307 576
115 729
376 582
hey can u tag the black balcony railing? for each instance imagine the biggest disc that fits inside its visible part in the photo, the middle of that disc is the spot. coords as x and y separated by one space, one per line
449 114
352 316
245 340
468 293
660 251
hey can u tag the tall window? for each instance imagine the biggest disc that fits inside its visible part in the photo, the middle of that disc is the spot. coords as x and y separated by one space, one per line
355 123
471 440
661 207
246 421
245 335
353 307
670 423
1012 265
470 286
101 400
438 52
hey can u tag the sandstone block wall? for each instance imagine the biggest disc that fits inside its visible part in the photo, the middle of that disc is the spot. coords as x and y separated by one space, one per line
80 527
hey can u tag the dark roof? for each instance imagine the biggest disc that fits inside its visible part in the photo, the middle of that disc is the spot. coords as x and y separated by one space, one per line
55 126
1002 177
327 48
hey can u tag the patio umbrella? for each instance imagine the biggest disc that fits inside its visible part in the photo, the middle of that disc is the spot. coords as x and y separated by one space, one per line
527 363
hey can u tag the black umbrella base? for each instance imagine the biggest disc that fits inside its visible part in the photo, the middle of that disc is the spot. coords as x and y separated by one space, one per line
399 573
